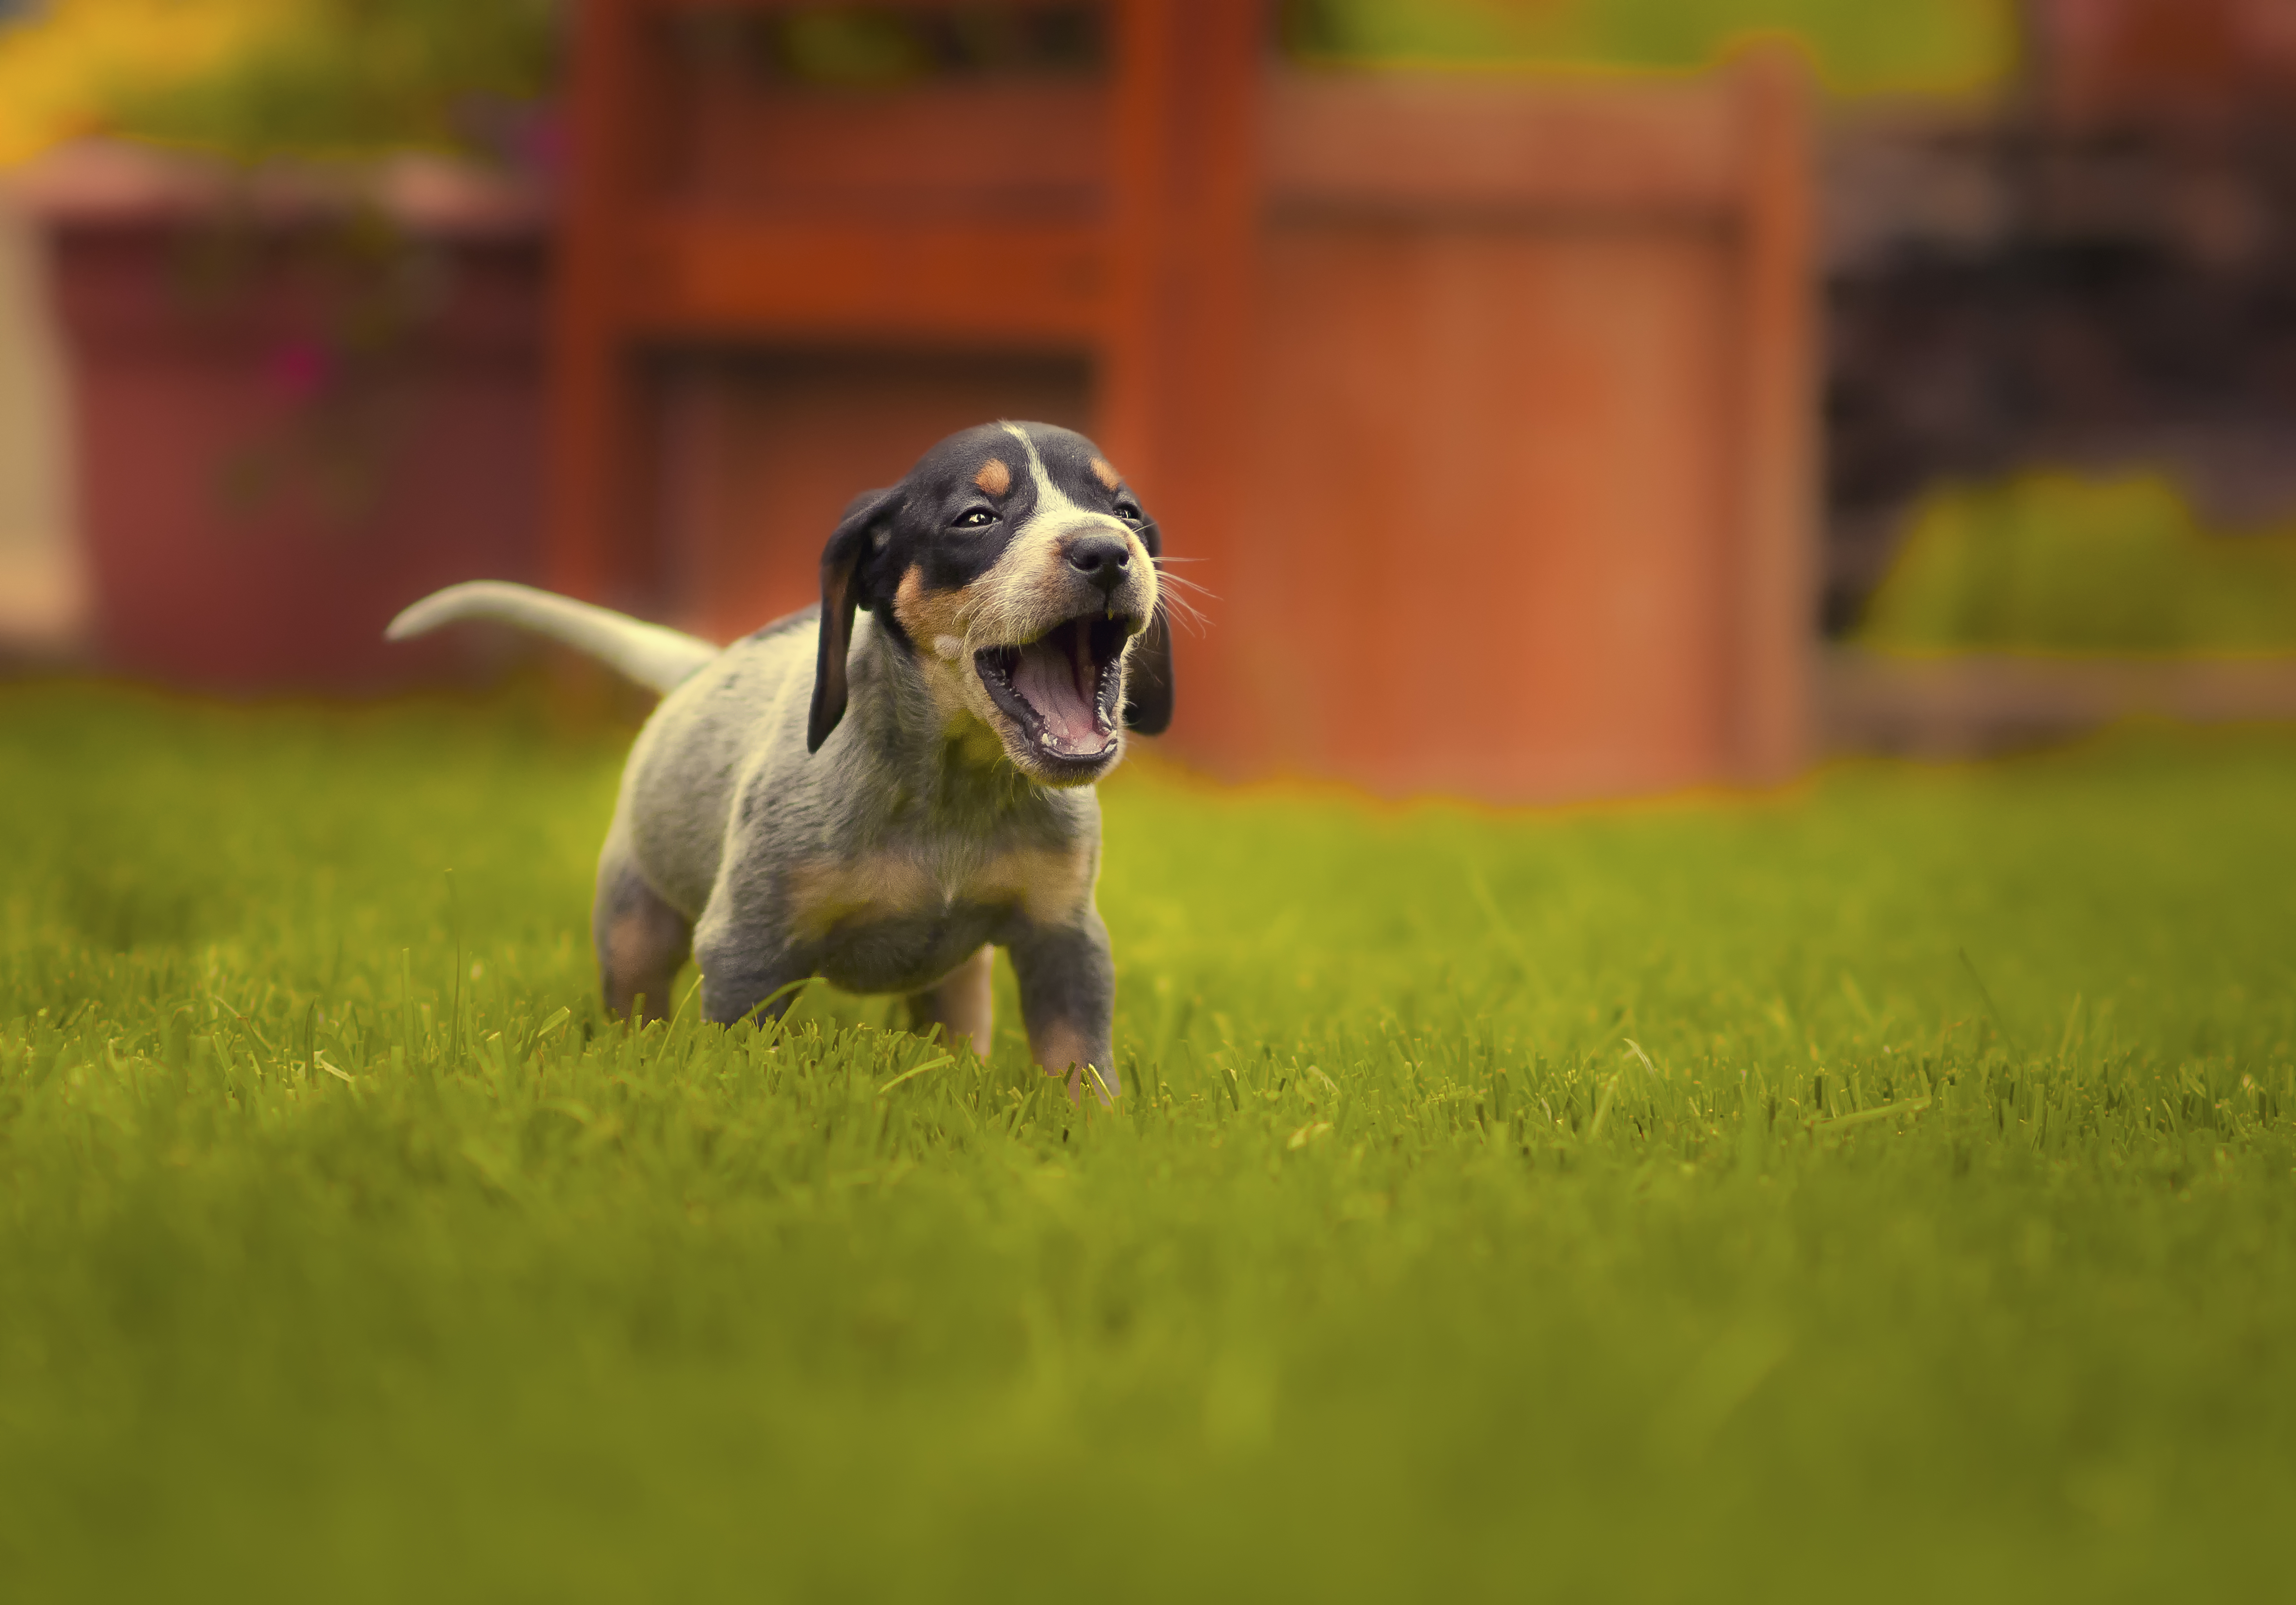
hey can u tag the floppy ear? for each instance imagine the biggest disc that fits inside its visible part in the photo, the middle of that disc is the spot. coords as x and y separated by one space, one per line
1148 665
840 593
1148 678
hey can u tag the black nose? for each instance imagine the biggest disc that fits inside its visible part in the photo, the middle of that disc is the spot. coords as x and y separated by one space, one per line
1102 559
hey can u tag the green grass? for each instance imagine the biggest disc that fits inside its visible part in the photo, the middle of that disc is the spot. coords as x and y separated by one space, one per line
1881 1190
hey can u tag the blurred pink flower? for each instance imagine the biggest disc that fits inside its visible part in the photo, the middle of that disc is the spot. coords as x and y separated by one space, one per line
298 369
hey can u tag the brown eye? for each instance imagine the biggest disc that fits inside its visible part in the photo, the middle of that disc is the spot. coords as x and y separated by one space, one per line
972 518
1129 511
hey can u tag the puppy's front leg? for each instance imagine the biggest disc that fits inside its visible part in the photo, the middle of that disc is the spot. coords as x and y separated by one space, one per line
959 1004
734 984
1067 999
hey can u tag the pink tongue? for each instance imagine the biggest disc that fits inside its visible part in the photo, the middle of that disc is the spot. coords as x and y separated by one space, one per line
1047 677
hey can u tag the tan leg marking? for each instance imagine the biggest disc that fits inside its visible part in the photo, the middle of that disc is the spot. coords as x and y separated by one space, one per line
644 959
960 1005
1059 1050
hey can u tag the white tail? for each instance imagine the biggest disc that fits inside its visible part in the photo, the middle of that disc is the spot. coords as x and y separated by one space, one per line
644 653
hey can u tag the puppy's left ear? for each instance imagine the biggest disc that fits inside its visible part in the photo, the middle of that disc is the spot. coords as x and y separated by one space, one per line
841 564
1148 664
1148 678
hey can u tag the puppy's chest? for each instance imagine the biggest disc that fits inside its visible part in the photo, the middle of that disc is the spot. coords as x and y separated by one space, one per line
925 884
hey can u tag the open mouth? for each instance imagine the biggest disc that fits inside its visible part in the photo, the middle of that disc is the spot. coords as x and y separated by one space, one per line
1062 689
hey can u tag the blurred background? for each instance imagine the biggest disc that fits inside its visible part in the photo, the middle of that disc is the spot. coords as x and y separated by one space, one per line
1551 397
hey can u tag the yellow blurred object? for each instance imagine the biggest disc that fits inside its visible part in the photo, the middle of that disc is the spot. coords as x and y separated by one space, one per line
63 64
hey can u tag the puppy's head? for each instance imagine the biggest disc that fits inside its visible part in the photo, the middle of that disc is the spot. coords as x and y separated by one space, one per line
1019 572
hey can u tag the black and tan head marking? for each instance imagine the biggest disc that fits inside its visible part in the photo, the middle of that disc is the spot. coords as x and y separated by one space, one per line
1018 573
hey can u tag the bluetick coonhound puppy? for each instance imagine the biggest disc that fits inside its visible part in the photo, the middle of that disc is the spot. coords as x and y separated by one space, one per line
881 799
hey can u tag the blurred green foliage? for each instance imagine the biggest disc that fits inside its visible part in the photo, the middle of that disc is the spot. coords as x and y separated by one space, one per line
867 47
2049 563
1859 46
856 48
348 78
354 78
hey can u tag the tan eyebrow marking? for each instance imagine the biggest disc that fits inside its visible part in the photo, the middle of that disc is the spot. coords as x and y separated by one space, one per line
994 476
1106 472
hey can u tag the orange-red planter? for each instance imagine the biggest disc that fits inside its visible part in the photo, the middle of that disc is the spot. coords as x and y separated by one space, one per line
295 408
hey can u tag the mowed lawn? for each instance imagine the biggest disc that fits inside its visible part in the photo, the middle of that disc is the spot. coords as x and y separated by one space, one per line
1881 1188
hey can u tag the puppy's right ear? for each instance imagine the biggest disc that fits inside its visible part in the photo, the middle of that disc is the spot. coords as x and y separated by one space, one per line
841 563
1148 678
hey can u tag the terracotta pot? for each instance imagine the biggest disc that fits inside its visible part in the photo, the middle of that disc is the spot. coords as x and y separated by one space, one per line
298 403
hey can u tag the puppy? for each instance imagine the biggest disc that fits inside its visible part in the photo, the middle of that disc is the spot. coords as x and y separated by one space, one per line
880 789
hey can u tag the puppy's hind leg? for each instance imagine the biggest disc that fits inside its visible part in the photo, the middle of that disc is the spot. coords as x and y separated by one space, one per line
959 1004
641 941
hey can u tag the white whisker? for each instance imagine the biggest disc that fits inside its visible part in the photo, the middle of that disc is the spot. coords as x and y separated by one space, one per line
1185 584
1178 608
